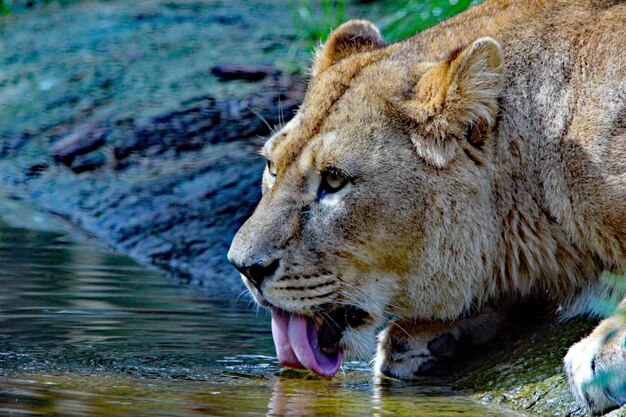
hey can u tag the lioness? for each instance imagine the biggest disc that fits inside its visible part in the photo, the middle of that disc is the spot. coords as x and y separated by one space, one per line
438 179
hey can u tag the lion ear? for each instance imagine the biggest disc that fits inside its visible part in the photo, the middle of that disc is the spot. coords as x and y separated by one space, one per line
459 93
466 85
349 38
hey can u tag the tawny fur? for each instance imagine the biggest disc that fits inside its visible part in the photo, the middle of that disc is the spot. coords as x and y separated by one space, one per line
486 157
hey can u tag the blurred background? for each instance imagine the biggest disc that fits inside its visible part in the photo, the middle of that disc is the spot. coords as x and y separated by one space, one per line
129 133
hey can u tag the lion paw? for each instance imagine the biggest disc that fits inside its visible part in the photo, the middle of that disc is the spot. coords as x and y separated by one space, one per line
596 368
412 349
405 353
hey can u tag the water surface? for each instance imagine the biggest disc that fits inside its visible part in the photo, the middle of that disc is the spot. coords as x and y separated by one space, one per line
86 331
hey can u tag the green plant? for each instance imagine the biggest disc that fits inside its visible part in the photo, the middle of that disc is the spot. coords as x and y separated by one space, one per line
416 15
4 8
314 20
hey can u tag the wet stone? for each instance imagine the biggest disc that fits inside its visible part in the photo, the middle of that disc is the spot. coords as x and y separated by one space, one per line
81 141
229 72
88 162
36 169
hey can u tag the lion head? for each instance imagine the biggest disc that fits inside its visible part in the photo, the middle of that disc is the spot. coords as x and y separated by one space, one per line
375 196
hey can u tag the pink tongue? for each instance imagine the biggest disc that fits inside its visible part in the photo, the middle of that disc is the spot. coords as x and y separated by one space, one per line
295 338
280 329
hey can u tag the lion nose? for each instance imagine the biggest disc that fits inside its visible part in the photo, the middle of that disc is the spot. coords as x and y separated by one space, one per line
258 272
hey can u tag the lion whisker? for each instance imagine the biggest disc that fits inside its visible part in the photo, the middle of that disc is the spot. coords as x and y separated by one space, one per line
395 323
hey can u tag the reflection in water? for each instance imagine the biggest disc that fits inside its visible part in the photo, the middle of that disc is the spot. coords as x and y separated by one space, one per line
70 304
117 394
355 395
84 331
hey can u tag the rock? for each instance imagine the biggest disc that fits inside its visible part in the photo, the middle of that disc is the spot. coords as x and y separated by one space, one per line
14 144
83 139
36 169
206 121
523 368
229 72
621 412
88 162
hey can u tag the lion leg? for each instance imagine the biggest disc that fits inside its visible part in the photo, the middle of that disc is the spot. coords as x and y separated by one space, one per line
409 349
596 366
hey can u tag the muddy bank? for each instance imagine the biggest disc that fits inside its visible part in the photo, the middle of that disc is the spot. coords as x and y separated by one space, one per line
171 193
140 122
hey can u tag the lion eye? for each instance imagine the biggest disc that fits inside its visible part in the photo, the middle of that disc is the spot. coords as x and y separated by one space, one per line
332 181
271 168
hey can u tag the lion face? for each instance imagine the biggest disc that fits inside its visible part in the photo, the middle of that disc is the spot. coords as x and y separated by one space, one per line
360 192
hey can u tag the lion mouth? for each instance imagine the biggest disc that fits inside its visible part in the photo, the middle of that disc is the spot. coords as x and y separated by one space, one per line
312 343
